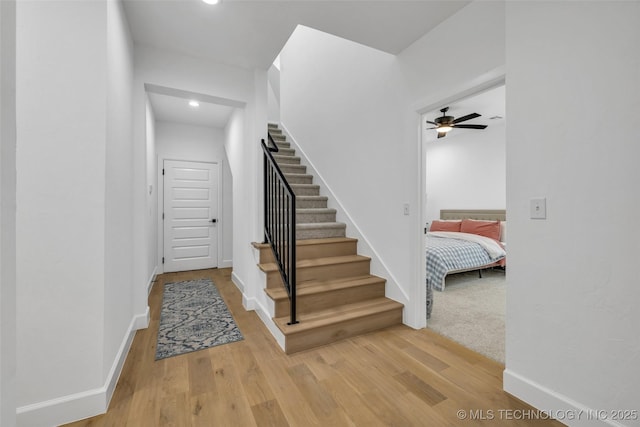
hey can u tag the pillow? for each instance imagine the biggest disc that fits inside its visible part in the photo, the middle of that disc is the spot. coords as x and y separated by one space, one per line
503 231
445 225
489 229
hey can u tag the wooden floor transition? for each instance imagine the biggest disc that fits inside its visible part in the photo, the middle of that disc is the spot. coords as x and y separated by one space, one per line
394 377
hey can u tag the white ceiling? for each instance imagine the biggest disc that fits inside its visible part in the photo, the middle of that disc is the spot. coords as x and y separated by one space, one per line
250 34
488 104
177 109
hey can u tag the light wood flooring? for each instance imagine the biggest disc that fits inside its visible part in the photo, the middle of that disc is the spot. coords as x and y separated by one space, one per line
394 377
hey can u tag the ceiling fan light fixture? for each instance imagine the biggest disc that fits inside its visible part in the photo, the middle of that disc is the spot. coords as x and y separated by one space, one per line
211 1
194 104
444 128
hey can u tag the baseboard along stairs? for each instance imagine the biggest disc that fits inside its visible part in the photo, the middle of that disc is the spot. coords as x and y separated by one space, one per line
337 296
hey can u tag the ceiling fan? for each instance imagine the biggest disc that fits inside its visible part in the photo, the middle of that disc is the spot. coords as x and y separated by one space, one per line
445 123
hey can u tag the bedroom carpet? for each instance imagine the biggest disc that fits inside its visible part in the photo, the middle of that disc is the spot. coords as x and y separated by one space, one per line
193 317
471 311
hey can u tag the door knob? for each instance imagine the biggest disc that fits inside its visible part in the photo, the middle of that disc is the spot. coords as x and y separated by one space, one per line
214 220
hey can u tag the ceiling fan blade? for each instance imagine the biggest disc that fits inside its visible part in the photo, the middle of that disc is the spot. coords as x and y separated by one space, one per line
432 128
470 126
432 123
442 134
465 118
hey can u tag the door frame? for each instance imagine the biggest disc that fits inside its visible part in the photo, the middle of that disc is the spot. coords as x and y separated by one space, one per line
160 192
490 80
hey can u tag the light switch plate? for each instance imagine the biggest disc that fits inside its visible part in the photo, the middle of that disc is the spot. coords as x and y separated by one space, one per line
539 208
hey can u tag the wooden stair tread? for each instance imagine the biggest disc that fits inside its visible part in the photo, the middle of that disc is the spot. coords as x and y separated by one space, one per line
306 242
335 315
318 286
306 263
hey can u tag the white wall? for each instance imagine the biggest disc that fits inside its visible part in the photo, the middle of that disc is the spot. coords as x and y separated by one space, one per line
476 39
118 304
75 313
7 214
61 110
175 141
234 149
348 122
572 317
273 77
151 213
466 171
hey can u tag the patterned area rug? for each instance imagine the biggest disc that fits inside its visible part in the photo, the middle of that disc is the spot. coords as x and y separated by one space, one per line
194 317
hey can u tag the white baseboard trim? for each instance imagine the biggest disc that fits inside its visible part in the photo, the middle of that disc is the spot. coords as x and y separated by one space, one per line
561 407
248 303
152 279
226 263
121 356
252 304
141 321
263 314
238 282
89 403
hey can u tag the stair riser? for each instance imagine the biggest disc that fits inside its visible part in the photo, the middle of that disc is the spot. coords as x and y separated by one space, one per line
323 272
287 160
311 204
324 233
310 303
285 151
287 168
306 191
312 218
321 336
314 251
315 217
302 179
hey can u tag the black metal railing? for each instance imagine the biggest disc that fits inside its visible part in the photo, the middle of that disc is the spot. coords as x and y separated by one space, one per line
280 222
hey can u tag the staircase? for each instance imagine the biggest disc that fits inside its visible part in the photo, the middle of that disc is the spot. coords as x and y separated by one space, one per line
337 297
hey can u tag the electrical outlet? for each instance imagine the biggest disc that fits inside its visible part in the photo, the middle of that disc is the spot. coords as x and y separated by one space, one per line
406 208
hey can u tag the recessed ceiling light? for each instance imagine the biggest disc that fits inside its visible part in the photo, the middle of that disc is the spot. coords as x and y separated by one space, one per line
211 1
193 103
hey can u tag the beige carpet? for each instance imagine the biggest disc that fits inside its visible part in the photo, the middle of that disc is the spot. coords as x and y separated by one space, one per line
471 311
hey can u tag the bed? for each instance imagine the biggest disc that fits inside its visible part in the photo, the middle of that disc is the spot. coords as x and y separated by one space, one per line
463 240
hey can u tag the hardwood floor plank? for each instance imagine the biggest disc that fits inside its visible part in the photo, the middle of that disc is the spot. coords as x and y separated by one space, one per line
254 384
394 377
419 388
269 414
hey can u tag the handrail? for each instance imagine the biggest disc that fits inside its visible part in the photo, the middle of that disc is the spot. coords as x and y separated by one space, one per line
280 222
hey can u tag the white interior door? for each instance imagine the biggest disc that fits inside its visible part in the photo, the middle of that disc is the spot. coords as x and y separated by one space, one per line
190 215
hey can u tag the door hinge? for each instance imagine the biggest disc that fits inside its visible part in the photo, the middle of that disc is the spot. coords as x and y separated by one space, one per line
163 217
162 171
163 260
425 229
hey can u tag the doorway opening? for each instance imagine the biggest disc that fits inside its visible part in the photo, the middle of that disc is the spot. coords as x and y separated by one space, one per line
188 135
465 170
